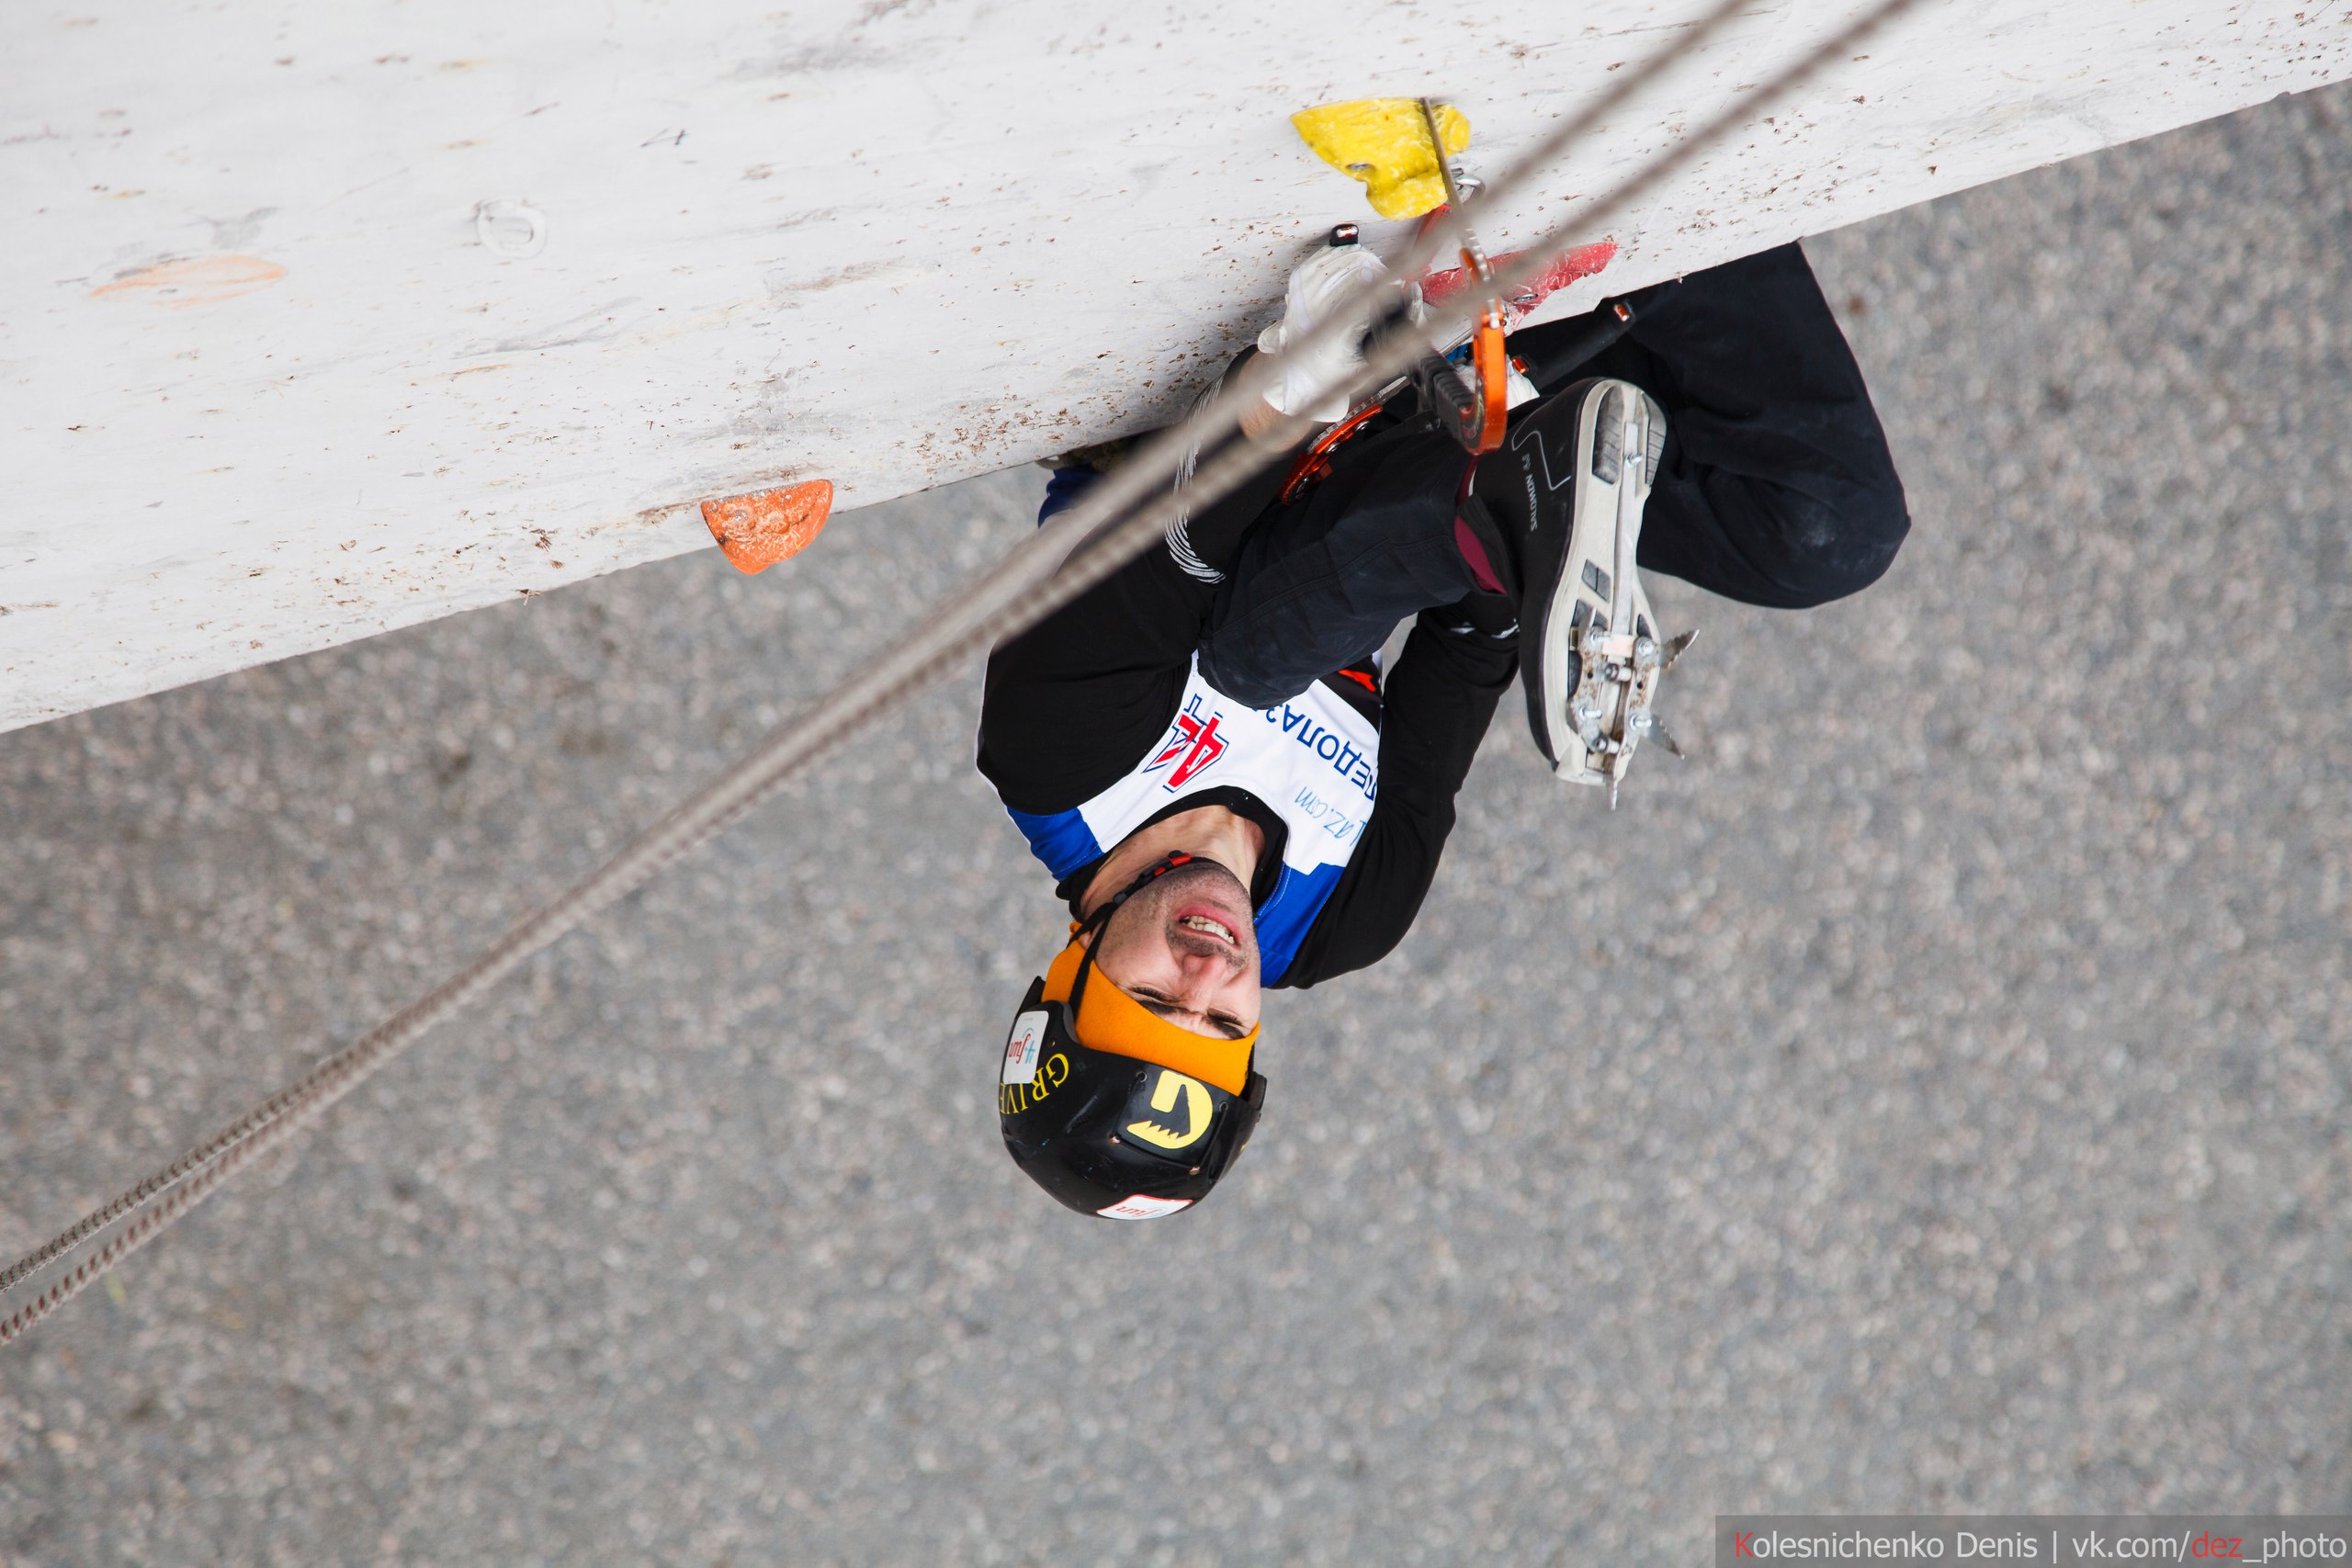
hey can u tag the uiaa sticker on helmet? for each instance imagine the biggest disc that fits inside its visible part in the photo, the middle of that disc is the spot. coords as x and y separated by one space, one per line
1142 1208
1172 1114
1021 1052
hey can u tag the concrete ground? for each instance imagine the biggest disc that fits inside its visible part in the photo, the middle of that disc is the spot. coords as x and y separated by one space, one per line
1932 1098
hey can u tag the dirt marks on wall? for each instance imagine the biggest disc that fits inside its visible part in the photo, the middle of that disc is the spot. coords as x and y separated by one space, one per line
183 282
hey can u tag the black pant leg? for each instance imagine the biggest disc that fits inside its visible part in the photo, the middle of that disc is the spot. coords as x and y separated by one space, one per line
1775 487
1321 584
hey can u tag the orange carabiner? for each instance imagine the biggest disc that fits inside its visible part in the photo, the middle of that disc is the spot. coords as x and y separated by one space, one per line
1488 358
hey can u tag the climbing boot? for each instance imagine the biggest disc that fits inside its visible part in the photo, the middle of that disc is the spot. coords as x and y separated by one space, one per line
1567 491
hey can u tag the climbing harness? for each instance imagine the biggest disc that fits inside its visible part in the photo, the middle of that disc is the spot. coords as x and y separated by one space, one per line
1122 516
1314 465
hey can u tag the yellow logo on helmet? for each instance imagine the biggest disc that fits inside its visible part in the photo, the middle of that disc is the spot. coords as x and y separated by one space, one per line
1171 1087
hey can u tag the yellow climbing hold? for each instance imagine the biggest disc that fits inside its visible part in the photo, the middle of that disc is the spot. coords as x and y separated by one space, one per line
1385 142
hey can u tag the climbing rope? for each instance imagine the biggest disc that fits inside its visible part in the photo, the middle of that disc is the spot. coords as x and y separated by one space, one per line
1116 520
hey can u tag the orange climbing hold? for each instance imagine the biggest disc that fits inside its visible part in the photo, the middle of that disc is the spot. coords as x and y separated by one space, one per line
758 530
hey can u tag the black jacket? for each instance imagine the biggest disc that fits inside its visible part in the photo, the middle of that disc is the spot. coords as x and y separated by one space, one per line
1074 705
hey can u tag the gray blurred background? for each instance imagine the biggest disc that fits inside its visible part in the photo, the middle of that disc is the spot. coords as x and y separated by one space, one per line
1932 1098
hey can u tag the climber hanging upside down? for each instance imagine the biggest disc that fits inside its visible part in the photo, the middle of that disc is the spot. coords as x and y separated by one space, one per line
1231 795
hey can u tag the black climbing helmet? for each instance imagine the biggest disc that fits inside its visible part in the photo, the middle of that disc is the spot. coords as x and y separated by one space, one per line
1110 1108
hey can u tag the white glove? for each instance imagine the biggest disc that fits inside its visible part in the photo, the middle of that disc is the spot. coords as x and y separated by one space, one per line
1313 385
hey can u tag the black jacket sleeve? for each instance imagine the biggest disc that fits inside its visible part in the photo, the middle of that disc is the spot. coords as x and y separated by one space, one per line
1069 707
1434 712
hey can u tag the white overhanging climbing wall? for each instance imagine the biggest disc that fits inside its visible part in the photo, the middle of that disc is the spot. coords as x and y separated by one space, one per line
319 319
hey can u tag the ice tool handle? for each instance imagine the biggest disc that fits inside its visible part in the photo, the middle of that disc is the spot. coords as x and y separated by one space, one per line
1475 405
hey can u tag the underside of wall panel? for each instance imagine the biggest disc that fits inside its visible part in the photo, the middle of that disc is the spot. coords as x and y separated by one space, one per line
273 379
